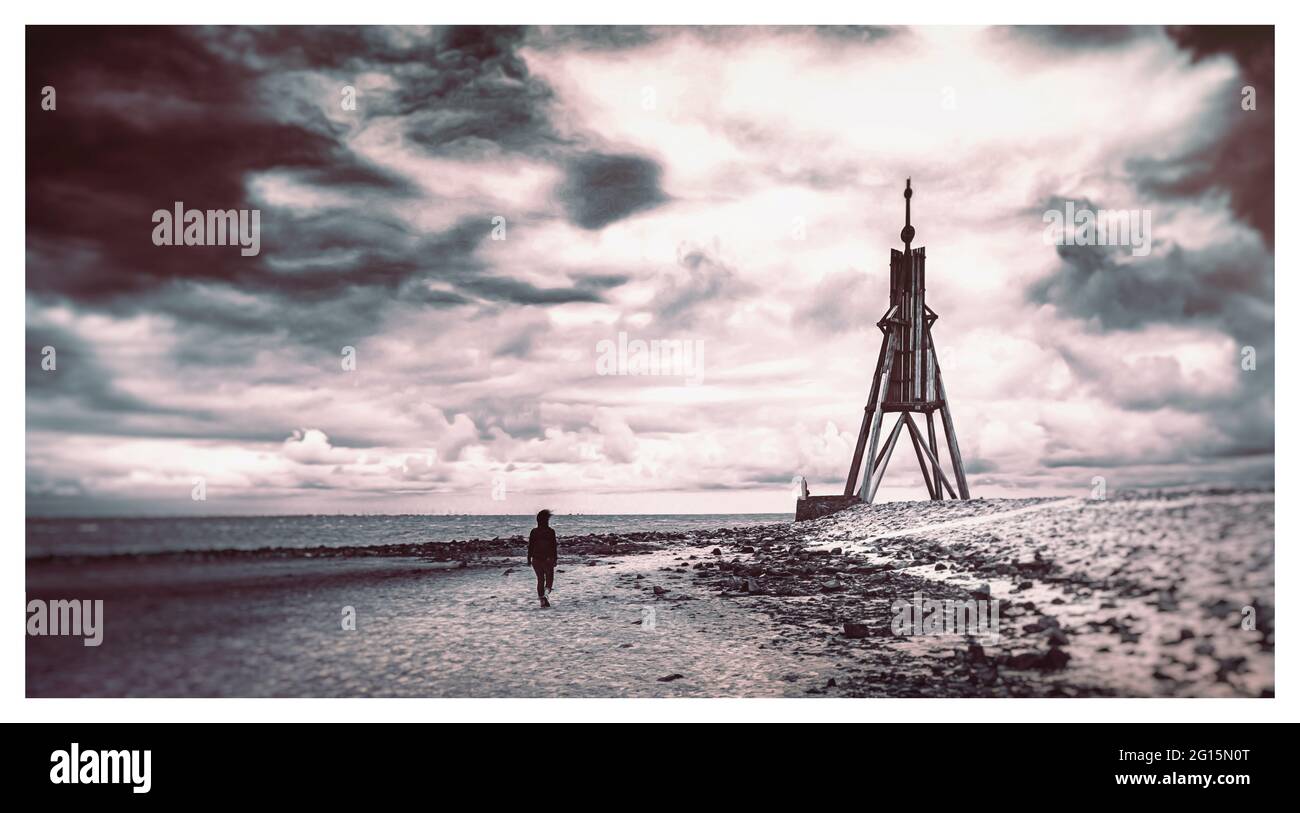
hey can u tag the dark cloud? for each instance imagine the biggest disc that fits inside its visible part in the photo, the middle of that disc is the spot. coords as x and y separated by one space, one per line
1220 286
861 33
475 98
521 341
596 37
626 37
1074 37
1241 161
1224 443
977 465
78 376
706 285
1251 46
1155 381
1238 159
96 173
600 281
150 116
82 393
601 189
1227 287
519 292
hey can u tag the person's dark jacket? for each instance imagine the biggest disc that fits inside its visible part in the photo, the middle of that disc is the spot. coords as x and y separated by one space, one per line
542 546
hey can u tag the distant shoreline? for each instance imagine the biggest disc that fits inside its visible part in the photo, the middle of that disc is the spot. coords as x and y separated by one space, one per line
1151 491
334 536
521 517
452 550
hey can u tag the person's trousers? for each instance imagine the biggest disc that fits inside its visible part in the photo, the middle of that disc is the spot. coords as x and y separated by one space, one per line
545 576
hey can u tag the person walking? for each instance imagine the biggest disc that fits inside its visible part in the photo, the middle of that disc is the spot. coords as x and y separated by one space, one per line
543 551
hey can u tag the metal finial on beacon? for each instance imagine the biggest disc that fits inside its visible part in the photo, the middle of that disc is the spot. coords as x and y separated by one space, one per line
908 232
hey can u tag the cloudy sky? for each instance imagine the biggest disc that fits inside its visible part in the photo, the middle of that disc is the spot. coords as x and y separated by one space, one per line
739 189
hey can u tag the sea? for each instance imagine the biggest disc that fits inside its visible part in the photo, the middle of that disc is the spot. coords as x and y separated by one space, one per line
136 535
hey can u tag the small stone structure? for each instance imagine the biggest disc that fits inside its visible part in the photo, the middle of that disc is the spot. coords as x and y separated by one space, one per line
814 507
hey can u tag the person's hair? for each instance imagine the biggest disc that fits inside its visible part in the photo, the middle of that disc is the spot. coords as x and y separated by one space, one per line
543 516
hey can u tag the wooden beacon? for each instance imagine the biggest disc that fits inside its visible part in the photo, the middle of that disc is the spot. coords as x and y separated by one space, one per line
907 380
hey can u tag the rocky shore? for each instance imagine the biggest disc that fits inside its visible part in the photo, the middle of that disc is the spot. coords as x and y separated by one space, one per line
1149 594
464 552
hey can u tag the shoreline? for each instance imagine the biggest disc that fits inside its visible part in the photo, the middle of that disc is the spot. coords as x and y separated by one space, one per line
470 549
810 601
456 549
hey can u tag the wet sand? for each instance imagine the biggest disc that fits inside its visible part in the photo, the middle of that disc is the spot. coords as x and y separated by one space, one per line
1128 597
275 629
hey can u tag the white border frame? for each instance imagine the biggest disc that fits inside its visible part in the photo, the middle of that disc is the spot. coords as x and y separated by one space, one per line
14 706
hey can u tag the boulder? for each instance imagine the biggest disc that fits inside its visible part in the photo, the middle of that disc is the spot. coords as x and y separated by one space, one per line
1054 660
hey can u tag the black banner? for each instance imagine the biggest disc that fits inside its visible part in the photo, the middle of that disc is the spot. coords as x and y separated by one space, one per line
338 761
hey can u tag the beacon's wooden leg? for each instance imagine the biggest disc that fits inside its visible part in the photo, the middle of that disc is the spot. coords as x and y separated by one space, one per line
879 473
882 390
851 484
935 460
953 451
875 465
934 447
861 446
920 458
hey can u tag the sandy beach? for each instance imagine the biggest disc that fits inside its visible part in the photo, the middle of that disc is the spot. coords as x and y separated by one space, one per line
1139 595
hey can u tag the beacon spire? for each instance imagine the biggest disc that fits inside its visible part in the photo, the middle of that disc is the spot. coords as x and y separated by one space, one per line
908 232
907 381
